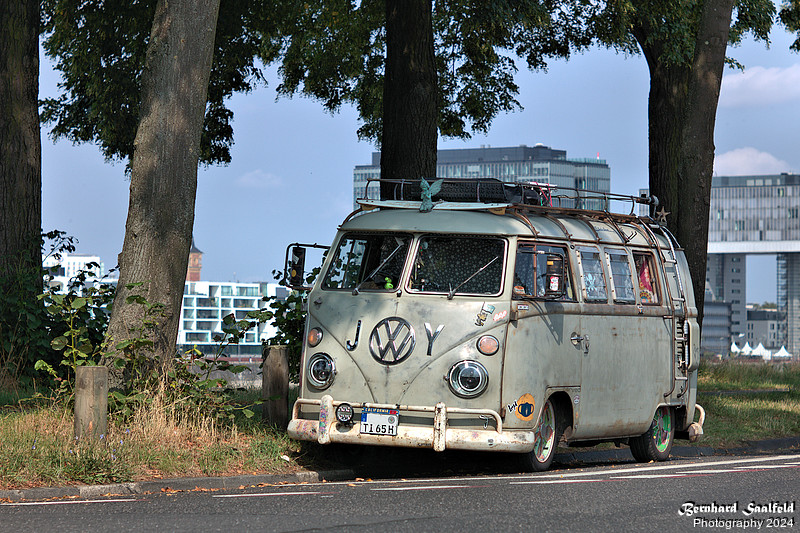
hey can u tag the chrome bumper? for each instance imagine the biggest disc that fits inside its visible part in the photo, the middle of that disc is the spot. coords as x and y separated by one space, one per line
439 437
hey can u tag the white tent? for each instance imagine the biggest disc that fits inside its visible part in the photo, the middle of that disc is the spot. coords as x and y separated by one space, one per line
762 352
782 354
747 349
734 348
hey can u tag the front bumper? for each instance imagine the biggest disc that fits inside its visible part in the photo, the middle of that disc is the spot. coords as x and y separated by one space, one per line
437 436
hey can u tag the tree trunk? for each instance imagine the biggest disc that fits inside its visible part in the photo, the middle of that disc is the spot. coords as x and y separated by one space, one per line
681 114
20 142
697 142
408 139
20 185
158 232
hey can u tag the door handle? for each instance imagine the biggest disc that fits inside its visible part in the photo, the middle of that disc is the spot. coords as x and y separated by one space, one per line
577 339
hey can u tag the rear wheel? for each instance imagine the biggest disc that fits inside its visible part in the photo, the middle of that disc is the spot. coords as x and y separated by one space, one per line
656 443
545 441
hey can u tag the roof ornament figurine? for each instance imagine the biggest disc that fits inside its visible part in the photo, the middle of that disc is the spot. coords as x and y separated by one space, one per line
428 191
661 216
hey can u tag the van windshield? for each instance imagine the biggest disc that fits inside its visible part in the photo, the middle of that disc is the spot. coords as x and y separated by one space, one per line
458 265
368 262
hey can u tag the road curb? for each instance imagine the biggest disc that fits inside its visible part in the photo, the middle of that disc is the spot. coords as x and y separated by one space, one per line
575 458
172 484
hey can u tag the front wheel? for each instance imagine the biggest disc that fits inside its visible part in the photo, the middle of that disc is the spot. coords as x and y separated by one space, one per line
656 443
545 441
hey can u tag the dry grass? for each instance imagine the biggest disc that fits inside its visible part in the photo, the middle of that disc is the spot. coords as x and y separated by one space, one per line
161 440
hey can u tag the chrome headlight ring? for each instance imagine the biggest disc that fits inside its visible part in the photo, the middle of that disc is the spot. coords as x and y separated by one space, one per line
468 379
321 371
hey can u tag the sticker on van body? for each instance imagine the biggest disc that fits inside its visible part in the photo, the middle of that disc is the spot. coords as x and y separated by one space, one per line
523 407
483 314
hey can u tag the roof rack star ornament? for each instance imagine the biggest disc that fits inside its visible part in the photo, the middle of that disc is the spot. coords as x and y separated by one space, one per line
428 191
661 216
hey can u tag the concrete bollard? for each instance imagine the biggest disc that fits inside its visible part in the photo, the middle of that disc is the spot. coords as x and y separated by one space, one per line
91 401
275 386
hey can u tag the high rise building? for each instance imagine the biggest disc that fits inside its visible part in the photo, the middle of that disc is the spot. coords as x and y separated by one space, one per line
508 164
757 215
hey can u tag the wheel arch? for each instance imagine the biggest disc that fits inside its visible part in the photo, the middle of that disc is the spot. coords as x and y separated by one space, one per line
562 404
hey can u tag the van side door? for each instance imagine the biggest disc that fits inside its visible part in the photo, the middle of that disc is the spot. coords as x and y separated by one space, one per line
538 350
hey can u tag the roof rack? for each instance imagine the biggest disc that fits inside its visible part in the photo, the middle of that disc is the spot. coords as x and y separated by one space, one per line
494 191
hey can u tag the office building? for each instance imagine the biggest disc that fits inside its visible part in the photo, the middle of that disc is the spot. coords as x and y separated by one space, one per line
764 326
756 215
207 303
517 164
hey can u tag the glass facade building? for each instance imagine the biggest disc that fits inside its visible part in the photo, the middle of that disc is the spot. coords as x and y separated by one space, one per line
508 164
756 215
207 303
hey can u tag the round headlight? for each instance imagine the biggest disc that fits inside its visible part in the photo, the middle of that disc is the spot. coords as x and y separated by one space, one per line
488 345
321 370
314 337
468 379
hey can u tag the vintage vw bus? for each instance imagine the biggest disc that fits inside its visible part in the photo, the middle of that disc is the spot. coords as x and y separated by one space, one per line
508 318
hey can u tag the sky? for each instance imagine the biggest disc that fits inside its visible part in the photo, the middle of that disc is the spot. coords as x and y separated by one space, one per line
291 176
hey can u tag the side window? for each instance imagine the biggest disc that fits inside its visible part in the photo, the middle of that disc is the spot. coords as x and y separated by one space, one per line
648 286
621 279
594 280
531 267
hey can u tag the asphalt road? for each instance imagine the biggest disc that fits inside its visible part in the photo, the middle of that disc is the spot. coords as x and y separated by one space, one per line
620 497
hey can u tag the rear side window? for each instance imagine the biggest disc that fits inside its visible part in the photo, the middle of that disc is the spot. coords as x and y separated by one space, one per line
646 278
594 279
621 279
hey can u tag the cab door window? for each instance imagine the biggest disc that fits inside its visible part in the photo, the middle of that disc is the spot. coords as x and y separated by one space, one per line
646 278
621 279
594 279
531 270
367 261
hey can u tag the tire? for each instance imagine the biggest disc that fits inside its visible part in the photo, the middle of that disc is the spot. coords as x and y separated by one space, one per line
545 441
656 443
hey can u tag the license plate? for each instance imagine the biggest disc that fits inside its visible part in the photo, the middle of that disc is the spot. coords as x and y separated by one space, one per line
377 421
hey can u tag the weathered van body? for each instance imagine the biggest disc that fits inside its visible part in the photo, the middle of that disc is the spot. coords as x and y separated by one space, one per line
435 329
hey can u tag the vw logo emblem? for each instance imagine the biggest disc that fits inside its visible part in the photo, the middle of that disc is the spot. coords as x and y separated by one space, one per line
392 341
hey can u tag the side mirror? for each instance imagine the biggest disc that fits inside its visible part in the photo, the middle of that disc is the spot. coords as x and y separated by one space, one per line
294 273
554 277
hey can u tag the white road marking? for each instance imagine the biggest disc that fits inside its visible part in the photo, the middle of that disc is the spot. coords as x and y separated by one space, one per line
431 487
649 476
712 471
262 494
65 502
562 481
788 465
654 468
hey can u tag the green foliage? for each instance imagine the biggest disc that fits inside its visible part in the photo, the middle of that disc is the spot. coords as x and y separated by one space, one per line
26 328
670 27
790 18
80 318
189 380
100 49
334 51
290 321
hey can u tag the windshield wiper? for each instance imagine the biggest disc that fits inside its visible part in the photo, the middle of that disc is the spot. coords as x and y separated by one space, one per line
481 269
400 243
